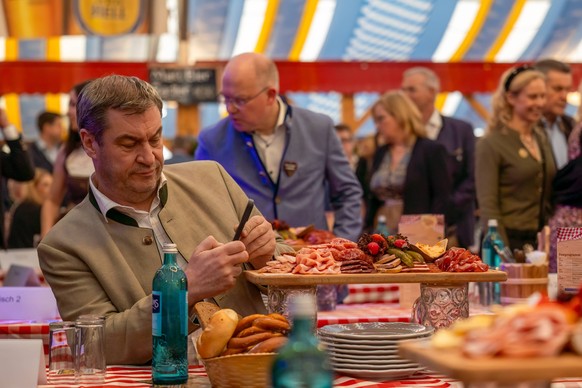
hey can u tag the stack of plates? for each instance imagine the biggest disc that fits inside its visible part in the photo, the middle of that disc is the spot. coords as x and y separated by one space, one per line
370 350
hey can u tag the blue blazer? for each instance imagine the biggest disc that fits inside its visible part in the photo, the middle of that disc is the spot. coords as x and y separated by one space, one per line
321 172
427 185
458 138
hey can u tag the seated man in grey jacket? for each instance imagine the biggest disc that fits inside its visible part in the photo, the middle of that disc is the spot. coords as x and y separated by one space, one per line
102 256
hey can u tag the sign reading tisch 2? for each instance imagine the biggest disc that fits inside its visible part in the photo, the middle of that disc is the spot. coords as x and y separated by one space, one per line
184 85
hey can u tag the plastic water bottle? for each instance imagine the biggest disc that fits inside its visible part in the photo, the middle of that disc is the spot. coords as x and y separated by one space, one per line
492 244
170 321
381 227
301 363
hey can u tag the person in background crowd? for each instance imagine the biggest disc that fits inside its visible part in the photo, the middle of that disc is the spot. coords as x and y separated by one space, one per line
422 85
346 136
102 256
409 173
25 220
45 149
514 160
365 149
566 191
183 148
555 122
16 164
286 158
71 171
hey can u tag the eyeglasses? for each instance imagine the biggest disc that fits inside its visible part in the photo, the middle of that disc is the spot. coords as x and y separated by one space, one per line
239 102
513 74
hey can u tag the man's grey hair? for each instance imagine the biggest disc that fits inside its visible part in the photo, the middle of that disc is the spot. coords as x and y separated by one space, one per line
431 79
130 95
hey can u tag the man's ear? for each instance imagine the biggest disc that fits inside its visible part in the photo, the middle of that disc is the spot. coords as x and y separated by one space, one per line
89 143
272 95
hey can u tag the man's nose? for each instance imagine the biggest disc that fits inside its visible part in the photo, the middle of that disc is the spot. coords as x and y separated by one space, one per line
230 107
146 154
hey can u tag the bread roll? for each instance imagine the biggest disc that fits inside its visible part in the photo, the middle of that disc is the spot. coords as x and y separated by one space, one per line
217 333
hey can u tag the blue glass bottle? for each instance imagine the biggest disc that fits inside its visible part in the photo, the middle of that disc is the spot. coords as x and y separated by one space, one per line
492 244
381 227
170 321
302 363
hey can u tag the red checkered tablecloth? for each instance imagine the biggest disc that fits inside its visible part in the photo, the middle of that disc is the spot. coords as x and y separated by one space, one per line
366 312
26 330
140 377
372 293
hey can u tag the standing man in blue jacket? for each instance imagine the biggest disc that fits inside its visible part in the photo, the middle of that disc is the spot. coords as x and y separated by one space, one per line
288 159
422 85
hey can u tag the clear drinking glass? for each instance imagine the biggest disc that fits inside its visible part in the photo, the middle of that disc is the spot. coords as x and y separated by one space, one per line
62 345
91 364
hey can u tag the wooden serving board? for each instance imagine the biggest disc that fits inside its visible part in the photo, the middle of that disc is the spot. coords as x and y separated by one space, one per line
501 370
278 279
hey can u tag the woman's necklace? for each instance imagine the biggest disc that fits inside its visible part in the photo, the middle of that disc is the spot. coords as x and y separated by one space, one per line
530 143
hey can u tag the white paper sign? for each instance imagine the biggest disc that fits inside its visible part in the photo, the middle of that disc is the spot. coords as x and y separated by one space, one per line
569 258
27 303
22 363
26 257
424 228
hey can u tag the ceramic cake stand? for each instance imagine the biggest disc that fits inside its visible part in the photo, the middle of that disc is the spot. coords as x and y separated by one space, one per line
443 295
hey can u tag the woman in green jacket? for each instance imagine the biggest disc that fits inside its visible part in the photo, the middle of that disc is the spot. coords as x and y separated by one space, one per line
514 164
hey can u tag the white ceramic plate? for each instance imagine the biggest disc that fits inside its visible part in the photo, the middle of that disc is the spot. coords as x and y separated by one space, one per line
376 330
379 374
363 358
341 340
384 360
357 353
359 347
348 365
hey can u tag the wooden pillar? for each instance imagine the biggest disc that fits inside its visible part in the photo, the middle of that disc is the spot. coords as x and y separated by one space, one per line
348 108
188 120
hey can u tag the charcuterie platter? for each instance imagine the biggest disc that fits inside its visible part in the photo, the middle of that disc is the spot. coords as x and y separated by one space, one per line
286 279
501 370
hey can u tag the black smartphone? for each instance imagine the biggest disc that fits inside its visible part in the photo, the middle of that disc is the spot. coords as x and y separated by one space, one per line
244 219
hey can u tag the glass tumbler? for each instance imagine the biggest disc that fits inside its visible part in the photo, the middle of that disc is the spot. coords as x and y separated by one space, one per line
62 359
91 364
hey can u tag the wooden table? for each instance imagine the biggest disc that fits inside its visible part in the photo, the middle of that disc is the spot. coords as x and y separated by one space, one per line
443 295
504 372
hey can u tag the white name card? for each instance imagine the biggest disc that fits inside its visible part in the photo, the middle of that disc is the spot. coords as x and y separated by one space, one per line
26 257
22 363
27 303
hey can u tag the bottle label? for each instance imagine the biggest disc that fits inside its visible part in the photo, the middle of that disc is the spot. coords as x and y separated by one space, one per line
156 313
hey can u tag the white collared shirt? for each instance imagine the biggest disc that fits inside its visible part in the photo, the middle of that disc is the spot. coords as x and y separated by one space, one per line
271 147
558 141
144 219
434 125
50 153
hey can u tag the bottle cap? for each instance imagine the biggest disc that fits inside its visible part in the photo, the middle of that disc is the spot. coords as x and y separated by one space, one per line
492 222
382 218
169 247
302 305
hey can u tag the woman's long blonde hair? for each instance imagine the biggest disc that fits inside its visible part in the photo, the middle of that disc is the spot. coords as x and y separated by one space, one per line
502 110
404 111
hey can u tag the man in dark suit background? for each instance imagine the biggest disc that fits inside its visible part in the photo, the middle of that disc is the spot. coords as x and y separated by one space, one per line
422 85
45 149
14 164
556 124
